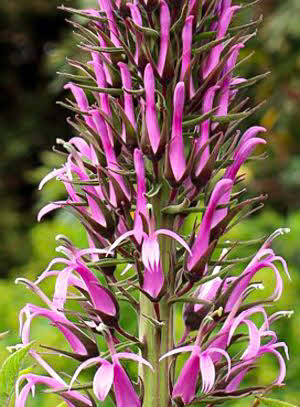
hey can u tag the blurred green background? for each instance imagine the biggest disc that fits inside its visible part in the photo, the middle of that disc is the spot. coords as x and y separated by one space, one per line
34 41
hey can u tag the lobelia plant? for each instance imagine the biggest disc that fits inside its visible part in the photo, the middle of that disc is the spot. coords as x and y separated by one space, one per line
157 111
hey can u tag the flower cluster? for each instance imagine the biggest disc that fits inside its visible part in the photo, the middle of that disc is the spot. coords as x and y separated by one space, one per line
157 113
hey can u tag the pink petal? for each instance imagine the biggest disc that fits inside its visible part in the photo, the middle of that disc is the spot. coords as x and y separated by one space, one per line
248 135
201 242
174 236
49 208
236 381
214 56
153 281
243 316
82 146
187 36
243 284
103 381
87 363
128 100
185 386
213 349
150 252
106 6
132 356
254 341
151 113
141 201
282 368
208 373
61 288
176 150
124 391
137 18
81 101
51 175
188 348
101 299
208 100
165 23
119 240
243 153
57 319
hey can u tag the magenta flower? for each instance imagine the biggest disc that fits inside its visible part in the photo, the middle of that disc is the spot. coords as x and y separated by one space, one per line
214 56
153 277
76 338
141 211
200 362
187 35
201 142
264 258
70 397
153 129
176 149
202 240
113 374
165 23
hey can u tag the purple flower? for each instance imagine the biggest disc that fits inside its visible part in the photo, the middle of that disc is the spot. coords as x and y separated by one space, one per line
137 18
141 211
214 56
153 129
165 23
70 397
176 149
200 143
72 334
202 240
187 36
150 255
199 362
112 373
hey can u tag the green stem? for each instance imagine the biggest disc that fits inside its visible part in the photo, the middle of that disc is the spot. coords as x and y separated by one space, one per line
158 339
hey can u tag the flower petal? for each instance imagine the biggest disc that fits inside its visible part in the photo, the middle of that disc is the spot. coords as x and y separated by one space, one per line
222 352
175 236
124 391
185 386
188 348
151 113
208 372
87 363
132 356
176 149
103 381
165 23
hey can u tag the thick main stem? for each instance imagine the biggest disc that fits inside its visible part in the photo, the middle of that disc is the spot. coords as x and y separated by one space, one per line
158 338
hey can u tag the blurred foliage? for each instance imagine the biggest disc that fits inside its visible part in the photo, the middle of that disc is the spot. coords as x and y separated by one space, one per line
34 41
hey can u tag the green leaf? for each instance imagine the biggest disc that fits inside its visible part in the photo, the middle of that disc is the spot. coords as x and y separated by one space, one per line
10 371
274 403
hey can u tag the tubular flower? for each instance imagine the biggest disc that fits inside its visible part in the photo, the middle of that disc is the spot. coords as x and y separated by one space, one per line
70 397
156 138
202 240
198 362
113 374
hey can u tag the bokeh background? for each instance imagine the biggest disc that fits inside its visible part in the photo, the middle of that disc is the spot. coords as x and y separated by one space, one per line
34 42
